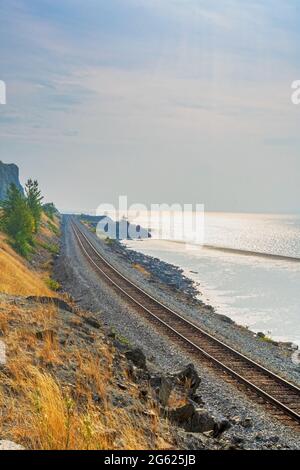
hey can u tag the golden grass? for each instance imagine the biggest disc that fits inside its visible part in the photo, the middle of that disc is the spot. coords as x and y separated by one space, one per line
15 276
45 408
54 420
40 410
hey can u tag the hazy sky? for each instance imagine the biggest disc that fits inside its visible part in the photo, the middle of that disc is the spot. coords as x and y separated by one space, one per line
161 100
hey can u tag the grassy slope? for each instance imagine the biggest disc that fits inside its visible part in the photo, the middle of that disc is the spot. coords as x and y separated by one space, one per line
16 275
60 384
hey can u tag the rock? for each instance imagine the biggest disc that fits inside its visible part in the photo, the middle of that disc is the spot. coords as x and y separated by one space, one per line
9 445
61 304
137 357
164 391
193 419
273 439
237 439
163 388
121 386
197 399
201 421
220 427
260 334
92 322
225 319
97 399
246 423
9 174
189 378
182 415
121 401
289 345
189 441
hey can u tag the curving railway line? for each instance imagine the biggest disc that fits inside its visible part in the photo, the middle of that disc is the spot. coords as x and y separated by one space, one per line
279 396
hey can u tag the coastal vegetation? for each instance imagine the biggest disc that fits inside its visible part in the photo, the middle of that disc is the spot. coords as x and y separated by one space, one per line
21 216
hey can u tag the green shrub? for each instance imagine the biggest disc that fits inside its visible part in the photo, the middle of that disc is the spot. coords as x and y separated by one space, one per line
52 284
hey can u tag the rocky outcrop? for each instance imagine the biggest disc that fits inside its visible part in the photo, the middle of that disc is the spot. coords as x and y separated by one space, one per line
119 230
9 173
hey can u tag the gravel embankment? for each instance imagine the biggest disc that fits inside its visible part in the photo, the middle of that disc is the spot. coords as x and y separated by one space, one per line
222 399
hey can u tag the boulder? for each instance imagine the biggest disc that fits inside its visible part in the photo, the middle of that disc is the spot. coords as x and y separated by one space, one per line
182 415
163 388
189 378
137 357
220 427
9 445
197 420
164 391
201 421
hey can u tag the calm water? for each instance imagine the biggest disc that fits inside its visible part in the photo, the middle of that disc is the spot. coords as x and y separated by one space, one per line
260 292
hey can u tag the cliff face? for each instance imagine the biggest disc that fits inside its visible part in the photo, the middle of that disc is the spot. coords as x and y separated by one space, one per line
9 173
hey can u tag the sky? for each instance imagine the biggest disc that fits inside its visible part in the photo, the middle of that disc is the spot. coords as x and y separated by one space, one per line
173 101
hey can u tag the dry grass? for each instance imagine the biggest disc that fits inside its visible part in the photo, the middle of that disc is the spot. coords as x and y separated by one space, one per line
42 410
52 376
16 275
16 278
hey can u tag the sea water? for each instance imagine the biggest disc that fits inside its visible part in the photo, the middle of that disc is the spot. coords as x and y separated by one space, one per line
248 269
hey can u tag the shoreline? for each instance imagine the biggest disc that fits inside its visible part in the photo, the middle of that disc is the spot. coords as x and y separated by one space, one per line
220 298
268 352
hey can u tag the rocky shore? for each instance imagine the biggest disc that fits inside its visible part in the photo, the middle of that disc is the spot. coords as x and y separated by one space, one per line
173 287
158 270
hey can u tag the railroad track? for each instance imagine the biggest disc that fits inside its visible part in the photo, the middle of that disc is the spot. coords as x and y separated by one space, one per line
278 395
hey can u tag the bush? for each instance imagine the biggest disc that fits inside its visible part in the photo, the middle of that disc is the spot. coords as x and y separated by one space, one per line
52 284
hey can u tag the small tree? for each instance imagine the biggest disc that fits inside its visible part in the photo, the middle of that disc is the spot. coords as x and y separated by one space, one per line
34 202
17 220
